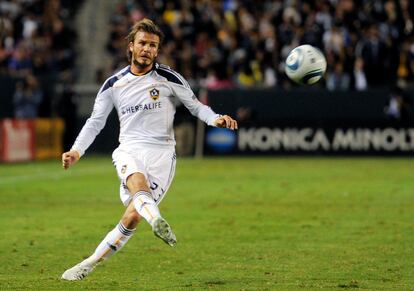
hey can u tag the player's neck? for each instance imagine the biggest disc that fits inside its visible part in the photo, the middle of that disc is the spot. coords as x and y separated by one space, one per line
140 71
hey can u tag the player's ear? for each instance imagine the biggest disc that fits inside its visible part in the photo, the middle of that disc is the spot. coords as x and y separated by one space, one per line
158 50
131 46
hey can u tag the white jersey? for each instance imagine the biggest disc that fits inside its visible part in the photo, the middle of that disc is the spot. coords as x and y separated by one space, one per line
145 106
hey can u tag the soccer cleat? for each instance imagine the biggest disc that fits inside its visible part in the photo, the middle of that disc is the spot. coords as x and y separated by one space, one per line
77 273
163 230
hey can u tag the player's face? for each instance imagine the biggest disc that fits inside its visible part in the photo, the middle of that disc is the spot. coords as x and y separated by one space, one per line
144 49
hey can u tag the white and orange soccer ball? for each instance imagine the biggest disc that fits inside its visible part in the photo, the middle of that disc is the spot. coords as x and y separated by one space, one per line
305 64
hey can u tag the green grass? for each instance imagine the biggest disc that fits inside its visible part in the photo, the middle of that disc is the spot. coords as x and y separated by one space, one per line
241 224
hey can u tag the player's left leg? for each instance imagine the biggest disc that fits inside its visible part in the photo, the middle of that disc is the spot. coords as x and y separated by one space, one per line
111 244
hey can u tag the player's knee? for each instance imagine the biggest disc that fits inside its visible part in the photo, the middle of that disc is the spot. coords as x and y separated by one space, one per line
131 219
137 182
133 216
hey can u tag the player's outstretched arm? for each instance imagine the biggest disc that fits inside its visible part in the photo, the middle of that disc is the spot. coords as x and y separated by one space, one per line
226 121
69 158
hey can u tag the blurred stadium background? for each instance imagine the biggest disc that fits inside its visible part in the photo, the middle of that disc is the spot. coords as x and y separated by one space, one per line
276 222
54 55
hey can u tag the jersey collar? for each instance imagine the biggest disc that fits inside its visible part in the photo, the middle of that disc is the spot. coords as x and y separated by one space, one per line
154 67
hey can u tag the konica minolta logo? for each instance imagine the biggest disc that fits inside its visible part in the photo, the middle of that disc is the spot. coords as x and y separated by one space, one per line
140 107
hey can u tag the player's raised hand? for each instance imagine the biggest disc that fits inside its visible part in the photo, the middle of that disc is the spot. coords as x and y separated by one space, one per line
226 121
69 158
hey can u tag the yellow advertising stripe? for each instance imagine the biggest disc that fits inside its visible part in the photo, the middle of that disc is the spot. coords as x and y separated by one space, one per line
146 209
109 249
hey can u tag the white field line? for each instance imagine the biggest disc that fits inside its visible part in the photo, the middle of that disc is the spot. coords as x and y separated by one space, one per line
55 175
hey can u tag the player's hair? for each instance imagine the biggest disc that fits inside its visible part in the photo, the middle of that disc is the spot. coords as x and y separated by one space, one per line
145 25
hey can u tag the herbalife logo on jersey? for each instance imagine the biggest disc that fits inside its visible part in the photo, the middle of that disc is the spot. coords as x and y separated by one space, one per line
140 107
154 93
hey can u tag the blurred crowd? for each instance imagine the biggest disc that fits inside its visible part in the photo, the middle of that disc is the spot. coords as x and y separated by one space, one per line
37 40
36 37
243 43
222 44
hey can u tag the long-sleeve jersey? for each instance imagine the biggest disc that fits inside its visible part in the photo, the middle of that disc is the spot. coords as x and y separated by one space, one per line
145 106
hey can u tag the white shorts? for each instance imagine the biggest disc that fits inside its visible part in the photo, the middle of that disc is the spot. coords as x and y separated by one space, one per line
157 165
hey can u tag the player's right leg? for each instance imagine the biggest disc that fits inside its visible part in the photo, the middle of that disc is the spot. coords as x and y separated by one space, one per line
146 206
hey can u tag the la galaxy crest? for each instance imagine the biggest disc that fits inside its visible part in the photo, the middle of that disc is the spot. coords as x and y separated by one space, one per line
154 94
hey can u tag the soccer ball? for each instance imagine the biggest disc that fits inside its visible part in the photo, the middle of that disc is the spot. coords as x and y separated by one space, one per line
305 64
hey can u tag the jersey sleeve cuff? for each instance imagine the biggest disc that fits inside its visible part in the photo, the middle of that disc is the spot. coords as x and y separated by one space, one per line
212 121
81 153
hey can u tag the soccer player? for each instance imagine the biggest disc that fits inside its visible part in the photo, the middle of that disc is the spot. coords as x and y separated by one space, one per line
144 95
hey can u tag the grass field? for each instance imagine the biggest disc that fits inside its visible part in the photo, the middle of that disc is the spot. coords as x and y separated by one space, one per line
241 224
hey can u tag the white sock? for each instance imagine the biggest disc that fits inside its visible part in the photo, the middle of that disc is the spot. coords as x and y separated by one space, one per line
112 243
146 206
